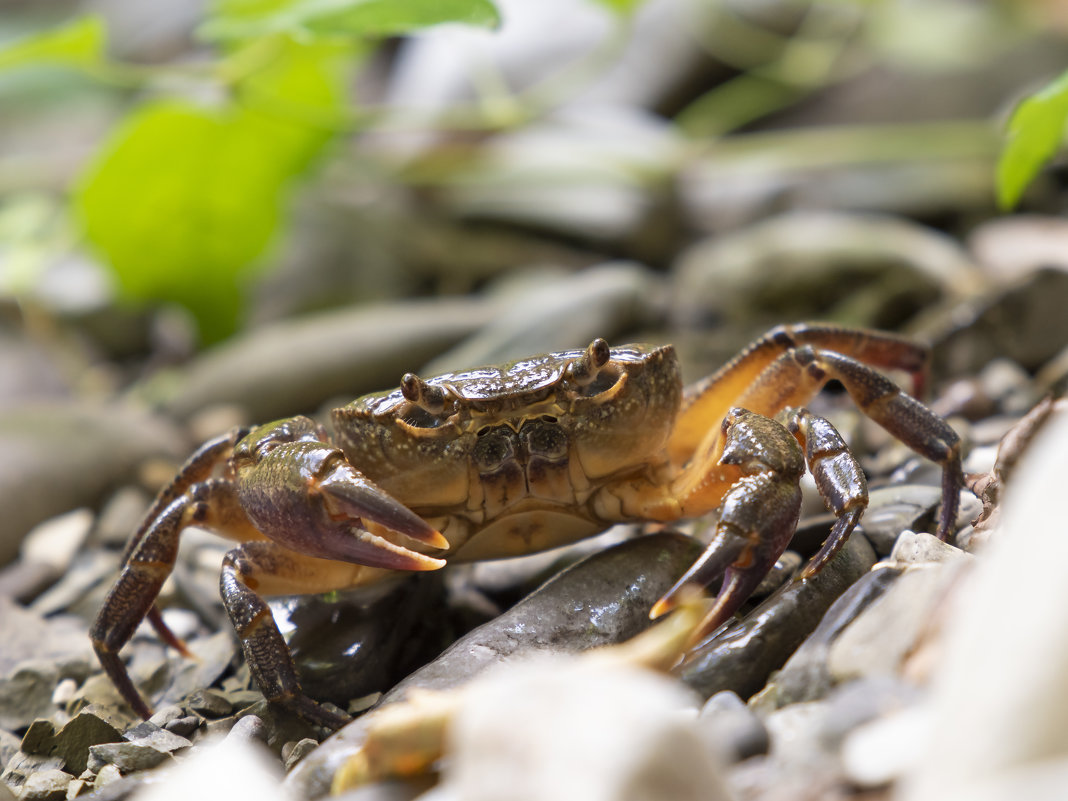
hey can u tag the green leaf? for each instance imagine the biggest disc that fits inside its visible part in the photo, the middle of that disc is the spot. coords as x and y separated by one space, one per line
183 200
1035 133
79 44
236 19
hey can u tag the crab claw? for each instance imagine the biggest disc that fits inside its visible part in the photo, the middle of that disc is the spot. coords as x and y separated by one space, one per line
354 501
725 547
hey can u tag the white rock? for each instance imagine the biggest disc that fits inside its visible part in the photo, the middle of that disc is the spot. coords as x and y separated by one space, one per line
561 729
1000 696
226 769
880 751
55 541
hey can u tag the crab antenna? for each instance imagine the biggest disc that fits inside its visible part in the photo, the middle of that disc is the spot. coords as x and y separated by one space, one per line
585 368
428 397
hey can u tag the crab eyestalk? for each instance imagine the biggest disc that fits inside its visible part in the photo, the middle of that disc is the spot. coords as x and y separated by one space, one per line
585 368
429 398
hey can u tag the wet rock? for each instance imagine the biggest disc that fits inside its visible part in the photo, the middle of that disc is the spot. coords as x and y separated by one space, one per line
46 785
602 600
152 736
589 732
805 675
742 656
337 354
734 730
893 509
58 457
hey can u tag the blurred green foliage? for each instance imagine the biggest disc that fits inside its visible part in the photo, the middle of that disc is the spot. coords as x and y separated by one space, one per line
1035 133
184 198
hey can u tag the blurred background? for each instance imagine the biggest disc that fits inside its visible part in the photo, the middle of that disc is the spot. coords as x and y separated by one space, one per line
229 212
223 213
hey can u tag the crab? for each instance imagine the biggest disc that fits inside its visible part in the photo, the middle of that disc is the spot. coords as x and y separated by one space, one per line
506 460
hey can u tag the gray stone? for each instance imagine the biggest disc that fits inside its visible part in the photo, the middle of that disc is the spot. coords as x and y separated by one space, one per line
919 548
26 694
46 785
183 726
250 727
734 730
59 456
885 633
857 702
73 741
896 508
127 757
209 703
294 752
166 714
20 767
805 676
152 736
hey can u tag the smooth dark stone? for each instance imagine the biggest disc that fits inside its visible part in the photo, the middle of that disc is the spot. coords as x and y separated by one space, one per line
743 655
601 600
806 676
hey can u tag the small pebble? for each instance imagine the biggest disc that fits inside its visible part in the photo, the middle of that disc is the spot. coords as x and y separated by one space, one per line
45 785
106 775
81 732
39 738
183 726
64 692
735 731
127 757
893 509
209 704
76 788
878 752
164 715
920 547
293 752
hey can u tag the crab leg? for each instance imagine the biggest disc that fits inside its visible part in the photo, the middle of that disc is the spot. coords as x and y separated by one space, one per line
211 504
797 375
759 512
710 399
267 567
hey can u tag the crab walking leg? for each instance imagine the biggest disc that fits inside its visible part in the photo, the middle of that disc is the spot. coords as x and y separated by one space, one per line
838 476
797 375
708 400
211 504
196 468
267 567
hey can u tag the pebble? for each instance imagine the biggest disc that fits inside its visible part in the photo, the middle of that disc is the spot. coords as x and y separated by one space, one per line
78 735
127 757
883 750
46 785
885 633
209 704
920 548
293 752
893 509
589 732
601 600
862 700
733 729
805 676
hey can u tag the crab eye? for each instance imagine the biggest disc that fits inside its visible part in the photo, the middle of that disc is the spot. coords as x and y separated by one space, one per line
584 369
429 398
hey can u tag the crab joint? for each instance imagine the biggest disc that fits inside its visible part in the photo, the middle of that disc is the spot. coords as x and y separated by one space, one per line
429 398
584 369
